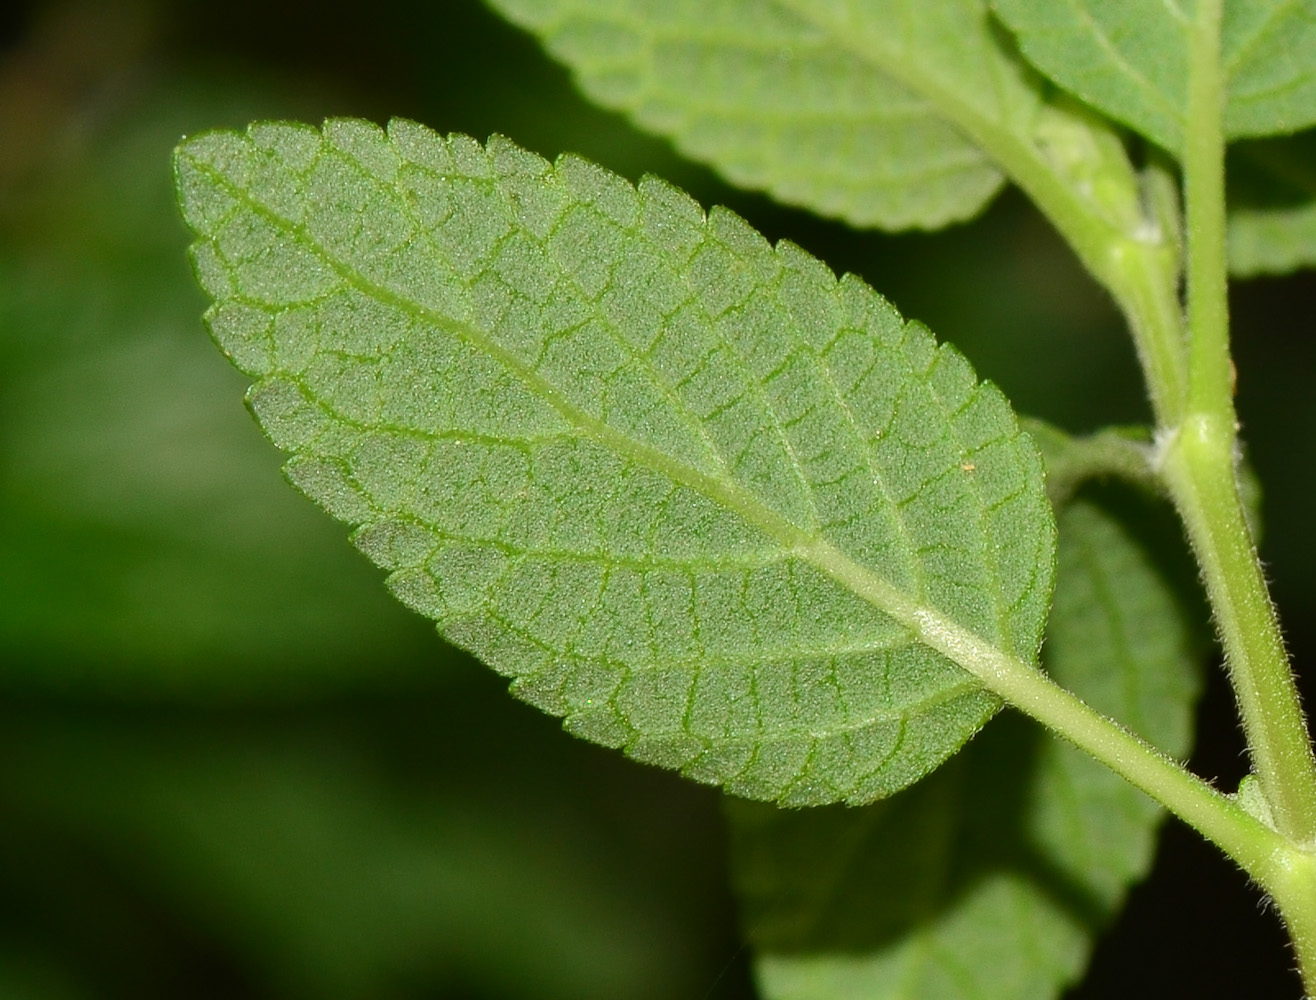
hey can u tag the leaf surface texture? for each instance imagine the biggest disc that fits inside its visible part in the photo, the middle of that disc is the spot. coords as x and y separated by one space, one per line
991 878
689 490
1130 59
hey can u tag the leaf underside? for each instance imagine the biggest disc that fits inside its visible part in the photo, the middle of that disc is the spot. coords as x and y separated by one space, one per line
630 455
992 877
1130 59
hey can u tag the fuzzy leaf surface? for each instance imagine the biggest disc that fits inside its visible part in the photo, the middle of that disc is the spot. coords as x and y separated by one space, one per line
1130 59
1272 205
989 880
694 494
893 113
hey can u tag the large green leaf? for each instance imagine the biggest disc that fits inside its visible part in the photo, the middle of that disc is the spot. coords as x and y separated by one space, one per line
990 879
890 113
1130 59
1272 195
694 494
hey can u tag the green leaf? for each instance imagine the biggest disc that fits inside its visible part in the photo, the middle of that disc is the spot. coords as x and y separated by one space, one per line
694 494
892 113
1272 201
1130 59
991 878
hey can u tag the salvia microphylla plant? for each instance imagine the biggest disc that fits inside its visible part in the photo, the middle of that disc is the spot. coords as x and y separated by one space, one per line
717 508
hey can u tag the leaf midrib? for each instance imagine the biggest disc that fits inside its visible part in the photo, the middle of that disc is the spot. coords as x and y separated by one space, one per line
980 658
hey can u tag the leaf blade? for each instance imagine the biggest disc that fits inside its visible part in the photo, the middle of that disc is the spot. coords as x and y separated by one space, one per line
607 442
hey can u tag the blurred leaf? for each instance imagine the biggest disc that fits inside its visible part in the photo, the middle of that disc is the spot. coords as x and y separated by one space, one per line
890 114
772 102
1130 59
146 542
990 878
370 851
1272 201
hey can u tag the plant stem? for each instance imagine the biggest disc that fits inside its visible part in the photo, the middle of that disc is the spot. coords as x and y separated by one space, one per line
1121 453
1199 470
1210 377
1218 817
1283 869
1293 888
1260 851
1199 467
1144 282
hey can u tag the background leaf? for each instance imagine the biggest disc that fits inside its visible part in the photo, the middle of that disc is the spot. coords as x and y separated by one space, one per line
373 847
1130 59
890 114
1272 195
633 457
991 878
133 494
775 102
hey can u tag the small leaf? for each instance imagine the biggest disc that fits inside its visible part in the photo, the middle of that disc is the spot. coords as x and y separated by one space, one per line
888 113
991 878
1272 200
694 494
1130 59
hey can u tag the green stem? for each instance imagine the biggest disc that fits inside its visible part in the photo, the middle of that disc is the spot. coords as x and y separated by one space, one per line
1263 853
1219 818
1210 371
1292 885
1144 282
1199 471
1283 869
1210 375
1142 276
1123 453
1190 385
1199 467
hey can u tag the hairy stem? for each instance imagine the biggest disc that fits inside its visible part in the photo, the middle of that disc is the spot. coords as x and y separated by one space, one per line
1259 850
1199 466
1209 371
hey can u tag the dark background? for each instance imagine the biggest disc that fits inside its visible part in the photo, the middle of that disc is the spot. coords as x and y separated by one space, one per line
230 766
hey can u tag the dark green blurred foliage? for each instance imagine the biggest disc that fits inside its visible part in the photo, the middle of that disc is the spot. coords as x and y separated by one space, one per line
233 766
230 764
